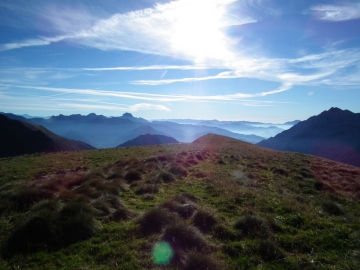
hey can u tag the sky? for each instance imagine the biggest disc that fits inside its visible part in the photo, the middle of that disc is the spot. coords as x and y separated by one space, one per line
257 60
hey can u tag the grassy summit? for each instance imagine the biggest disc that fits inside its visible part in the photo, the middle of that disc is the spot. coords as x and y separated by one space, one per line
217 203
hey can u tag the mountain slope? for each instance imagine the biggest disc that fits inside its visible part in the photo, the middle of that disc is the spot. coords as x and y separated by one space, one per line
333 134
149 139
217 203
141 130
18 138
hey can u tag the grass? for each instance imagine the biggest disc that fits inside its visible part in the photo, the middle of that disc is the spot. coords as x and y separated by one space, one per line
256 209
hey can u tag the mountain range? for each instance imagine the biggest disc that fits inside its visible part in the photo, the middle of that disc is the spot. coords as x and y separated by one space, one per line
107 132
18 138
333 134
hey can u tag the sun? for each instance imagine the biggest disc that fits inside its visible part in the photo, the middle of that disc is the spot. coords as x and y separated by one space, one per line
197 30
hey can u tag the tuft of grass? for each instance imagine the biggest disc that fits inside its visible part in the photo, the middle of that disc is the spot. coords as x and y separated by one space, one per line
279 171
155 220
162 158
115 175
132 176
180 206
269 251
51 224
76 220
146 188
178 170
21 197
183 237
332 208
200 261
165 177
123 213
204 219
318 185
252 225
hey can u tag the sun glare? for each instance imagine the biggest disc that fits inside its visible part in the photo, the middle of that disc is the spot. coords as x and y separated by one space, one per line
197 30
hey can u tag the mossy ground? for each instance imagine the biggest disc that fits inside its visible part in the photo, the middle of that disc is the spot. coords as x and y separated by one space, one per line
261 209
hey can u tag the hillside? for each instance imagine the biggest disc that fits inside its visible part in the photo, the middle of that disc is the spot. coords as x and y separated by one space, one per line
217 203
18 138
333 134
149 139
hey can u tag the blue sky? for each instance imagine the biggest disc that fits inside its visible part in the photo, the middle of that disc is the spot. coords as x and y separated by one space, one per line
260 60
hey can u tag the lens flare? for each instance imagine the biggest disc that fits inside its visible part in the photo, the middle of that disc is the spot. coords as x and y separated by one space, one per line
162 253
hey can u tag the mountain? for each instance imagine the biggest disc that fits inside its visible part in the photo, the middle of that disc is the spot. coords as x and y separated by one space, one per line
134 119
98 130
333 134
149 139
292 122
189 133
265 130
105 132
18 138
15 117
141 130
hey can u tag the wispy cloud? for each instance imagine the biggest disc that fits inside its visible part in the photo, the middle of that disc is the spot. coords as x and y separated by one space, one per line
343 12
153 97
131 108
152 30
153 67
42 41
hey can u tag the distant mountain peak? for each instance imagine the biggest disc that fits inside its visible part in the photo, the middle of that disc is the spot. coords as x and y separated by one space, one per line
149 139
128 115
333 134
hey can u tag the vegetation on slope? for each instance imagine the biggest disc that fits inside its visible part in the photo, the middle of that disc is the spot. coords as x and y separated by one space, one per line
217 203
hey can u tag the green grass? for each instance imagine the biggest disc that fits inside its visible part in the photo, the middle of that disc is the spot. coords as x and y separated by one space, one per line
256 209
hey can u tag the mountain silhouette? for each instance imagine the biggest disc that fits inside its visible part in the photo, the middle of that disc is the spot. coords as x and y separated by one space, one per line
18 138
333 134
149 139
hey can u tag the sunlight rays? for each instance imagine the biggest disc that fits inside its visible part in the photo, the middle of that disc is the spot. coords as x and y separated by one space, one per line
197 30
